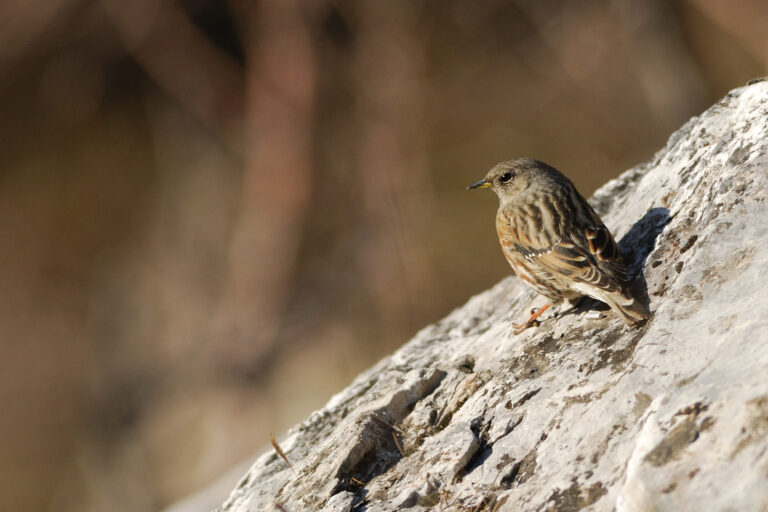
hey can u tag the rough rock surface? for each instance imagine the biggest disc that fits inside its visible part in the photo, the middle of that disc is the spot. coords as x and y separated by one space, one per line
581 412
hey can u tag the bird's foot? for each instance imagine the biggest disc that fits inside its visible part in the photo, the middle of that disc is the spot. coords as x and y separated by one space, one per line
531 322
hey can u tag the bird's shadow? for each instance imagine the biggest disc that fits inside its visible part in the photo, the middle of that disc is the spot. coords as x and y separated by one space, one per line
639 241
635 246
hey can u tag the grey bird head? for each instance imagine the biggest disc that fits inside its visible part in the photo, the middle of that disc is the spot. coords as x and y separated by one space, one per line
509 179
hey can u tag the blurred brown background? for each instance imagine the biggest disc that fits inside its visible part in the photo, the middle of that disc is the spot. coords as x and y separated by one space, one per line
215 213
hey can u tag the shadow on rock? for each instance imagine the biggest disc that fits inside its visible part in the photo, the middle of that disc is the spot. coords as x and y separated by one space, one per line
638 243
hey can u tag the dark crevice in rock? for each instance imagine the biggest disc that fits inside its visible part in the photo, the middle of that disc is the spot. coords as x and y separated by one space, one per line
574 498
607 354
526 397
535 357
484 450
520 471
376 448
685 433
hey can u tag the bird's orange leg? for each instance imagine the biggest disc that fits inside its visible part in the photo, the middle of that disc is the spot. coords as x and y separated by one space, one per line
531 319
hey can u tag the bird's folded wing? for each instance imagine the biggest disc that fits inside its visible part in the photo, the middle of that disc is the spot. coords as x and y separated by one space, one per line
596 265
601 244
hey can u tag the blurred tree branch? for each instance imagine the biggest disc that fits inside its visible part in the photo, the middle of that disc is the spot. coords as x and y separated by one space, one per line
177 55
25 23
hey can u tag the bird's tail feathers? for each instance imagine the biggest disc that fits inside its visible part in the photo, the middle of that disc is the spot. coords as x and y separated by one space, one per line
629 308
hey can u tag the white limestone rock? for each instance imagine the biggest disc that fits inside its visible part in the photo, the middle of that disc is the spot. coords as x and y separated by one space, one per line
581 412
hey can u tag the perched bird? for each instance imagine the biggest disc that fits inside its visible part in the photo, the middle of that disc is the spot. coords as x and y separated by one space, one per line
555 241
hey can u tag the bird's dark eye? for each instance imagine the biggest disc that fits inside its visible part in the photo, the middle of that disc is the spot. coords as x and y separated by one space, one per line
505 177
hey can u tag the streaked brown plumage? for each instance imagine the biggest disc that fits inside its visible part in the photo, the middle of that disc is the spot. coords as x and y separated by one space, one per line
555 241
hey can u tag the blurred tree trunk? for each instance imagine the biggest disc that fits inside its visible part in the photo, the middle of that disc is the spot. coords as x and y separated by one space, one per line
280 97
391 154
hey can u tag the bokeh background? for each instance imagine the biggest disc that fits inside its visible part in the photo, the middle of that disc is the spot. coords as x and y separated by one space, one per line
215 213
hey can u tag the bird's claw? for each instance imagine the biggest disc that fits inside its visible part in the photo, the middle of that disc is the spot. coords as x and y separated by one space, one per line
532 320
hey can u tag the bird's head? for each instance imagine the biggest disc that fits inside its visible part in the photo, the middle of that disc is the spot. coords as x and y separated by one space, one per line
509 179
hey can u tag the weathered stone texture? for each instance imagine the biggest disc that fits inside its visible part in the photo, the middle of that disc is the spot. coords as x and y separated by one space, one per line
581 412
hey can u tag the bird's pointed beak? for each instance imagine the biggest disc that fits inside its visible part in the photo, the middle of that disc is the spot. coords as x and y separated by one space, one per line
480 184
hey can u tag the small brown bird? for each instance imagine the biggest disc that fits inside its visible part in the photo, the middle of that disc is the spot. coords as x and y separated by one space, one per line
555 241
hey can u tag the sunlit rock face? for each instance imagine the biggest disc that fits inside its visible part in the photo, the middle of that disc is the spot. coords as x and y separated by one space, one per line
581 411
